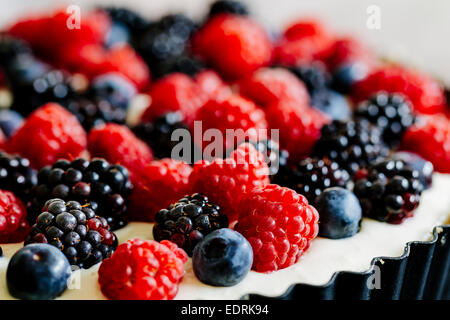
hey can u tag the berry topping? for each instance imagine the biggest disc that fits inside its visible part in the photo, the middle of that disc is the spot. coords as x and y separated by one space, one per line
340 213
38 272
84 238
228 6
223 258
188 221
114 88
279 224
13 218
418 163
143 270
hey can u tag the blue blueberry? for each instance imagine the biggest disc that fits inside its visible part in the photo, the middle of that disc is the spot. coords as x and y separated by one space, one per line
118 33
38 272
9 121
223 258
416 162
332 103
345 76
340 213
115 88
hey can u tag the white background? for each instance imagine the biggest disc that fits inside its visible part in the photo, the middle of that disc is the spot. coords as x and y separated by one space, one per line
416 32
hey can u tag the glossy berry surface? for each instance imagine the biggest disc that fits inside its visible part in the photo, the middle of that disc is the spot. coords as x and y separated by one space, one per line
388 191
14 226
340 213
188 221
228 6
416 162
114 88
10 121
104 186
155 268
38 272
223 258
275 157
76 230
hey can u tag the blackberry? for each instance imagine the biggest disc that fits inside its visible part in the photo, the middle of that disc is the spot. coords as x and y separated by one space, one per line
275 157
135 23
228 6
390 112
184 63
187 221
158 134
104 186
76 230
314 76
11 48
352 144
389 191
94 112
311 176
17 176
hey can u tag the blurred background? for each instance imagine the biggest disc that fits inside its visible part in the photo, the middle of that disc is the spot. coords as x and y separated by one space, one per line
417 32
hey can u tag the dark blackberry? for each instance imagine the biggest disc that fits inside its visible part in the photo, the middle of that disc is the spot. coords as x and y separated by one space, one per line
11 49
314 76
228 6
158 134
388 191
352 144
390 112
17 176
104 186
311 176
75 229
184 63
187 221
129 18
94 112
276 158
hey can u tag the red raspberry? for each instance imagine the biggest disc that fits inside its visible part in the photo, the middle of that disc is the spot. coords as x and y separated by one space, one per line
223 181
48 134
430 138
211 85
426 94
156 186
143 270
299 126
234 45
13 218
269 85
279 224
234 112
302 42
88 59
174 92
117 144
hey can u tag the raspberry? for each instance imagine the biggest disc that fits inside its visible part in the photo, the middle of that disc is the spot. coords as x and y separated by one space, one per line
143 270
84 238
13 218
344 51
117 144
234 45
175 92
156 186
49 133
224 180
426 95
302 42
389 191
279 224
232 113
187 221
299 127
266 86
430 138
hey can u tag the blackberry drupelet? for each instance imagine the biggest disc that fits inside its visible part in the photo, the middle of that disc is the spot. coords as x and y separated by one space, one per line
104 186
17 176
276 158
352 144
96 111
187 221
228 6
311 176
158 134
388 191
76 230
390 112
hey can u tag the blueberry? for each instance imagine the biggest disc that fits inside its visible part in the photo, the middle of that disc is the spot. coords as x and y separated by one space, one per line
10 121
340 213
332 103
38 272
118 34
222 258
416 162
346 75
115 88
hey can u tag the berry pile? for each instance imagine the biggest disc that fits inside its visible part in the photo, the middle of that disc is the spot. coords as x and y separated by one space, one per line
14 226
76 230
187 221
103 186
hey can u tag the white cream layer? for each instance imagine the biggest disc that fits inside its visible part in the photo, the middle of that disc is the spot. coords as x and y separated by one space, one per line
316 267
